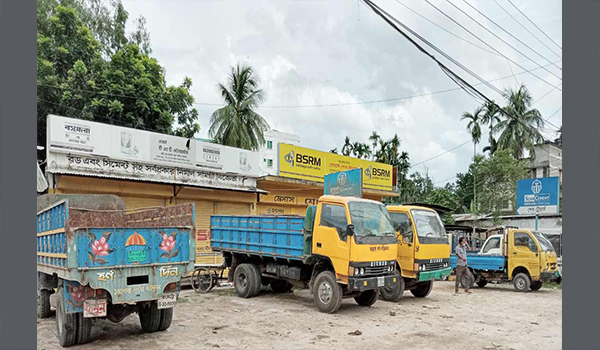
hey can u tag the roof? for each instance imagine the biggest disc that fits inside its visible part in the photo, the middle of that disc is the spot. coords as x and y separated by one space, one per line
42 183
463 228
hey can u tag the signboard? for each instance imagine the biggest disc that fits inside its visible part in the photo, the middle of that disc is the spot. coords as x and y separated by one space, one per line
287 199
538 196
308 164
345 183
82 137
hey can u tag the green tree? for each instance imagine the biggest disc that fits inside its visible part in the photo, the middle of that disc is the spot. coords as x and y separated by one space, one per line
238 124
445 196
129 89
519 129
491 116
374 138
347 147
474 127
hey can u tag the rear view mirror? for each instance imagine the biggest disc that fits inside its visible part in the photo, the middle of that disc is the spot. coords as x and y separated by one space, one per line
350 230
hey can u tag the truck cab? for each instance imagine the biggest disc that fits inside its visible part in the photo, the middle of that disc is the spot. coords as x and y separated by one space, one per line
423 251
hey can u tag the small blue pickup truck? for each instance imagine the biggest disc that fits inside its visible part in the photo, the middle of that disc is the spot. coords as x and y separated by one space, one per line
96 260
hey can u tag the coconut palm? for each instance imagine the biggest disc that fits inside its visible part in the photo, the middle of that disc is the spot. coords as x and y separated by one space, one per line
347 148
474 127
519 129
237 124
374 138
491 116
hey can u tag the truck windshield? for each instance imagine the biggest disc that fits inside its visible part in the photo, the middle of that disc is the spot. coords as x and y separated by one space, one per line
544 243
372 224
430 228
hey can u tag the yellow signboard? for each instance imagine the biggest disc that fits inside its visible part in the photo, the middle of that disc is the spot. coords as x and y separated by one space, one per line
308 164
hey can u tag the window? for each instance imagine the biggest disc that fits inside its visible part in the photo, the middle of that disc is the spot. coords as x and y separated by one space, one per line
334 216
403 226
430 227
269 144
493 243
522 239
270 163
546 171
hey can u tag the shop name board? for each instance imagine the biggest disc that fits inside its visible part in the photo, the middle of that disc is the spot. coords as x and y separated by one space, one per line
285 199
309 164
82 137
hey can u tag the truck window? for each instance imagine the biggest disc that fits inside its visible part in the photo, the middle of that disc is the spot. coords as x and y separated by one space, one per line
403 225
430 228
334 216
522 239
493 243
372 223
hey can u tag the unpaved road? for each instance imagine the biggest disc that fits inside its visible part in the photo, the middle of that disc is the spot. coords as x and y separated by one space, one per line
495 317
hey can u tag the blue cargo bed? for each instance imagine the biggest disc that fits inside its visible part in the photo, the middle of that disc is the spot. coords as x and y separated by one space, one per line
478 262
269 236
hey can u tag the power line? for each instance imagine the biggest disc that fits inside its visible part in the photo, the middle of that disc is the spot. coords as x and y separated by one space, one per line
507 32
538 39
499 38
483 41
553 114
446 30
535 25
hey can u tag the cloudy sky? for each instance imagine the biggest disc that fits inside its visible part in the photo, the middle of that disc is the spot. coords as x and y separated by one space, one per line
340 52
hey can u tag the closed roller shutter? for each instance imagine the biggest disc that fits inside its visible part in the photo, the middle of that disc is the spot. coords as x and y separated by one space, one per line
139 202
299 210
233 208
204 254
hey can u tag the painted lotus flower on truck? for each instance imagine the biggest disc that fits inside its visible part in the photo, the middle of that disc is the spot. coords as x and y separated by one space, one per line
100 248
168 245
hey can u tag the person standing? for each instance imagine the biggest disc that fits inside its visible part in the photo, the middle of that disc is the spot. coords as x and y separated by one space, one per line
461 264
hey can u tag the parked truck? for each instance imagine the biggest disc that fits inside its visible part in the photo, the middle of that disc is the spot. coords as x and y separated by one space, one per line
509 254
344 247
423 251
95 260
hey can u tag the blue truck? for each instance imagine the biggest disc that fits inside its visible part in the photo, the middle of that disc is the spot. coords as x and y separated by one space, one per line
96 260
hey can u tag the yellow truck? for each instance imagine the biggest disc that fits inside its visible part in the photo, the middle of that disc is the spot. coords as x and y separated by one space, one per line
525 258
344 247
423 251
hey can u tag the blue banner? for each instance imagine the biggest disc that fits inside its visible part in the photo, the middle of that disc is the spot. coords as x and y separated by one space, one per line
538 196
345 183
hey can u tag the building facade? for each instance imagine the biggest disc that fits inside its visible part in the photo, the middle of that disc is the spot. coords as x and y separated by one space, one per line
547 161
269 162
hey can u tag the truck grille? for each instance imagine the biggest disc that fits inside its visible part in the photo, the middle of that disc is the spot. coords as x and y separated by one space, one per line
376 270
434 266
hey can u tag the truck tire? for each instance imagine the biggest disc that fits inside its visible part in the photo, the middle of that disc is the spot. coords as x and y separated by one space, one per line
535 286
84 329
66 324
43 303
245 281
166 317
327 292
481 283
395 292
422 289
367 298
467 281
150 317
257 279
281 286
521 282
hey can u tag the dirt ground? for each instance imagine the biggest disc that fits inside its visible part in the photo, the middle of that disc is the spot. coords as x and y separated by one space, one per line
495 317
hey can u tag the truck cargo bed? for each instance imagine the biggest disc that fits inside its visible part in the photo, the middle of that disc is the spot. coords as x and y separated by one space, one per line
270 236
482 262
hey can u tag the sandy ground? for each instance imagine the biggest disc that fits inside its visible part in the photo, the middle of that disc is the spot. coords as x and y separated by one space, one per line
495 317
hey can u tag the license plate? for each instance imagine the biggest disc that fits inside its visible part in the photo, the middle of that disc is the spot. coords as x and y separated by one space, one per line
94 308
380 281
167 301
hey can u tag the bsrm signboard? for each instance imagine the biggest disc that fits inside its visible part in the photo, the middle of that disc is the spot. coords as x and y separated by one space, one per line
345 183
538 196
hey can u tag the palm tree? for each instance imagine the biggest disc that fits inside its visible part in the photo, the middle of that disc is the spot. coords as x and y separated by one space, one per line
237 124
394 145
347 148
519 131
334 151
558 140
374 138
491 115
474 127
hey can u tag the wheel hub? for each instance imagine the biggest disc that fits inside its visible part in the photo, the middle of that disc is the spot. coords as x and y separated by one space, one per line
325 293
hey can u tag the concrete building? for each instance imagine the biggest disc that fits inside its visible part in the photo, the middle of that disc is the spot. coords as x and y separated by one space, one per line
547 161
268 153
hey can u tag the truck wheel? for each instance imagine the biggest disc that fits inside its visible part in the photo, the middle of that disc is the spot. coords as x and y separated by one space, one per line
467 281
327 292
257 279
84 329
422 289
166 317
367 298
482 283
281 286
535 286
245 281
521 282
43 303
66 324
150 317
395 292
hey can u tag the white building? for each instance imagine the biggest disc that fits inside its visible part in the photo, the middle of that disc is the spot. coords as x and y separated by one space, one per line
268 153
547 161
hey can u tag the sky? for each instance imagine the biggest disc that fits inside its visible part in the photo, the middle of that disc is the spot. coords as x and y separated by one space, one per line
340 52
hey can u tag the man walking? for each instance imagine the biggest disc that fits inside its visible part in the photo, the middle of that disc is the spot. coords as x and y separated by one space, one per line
461 264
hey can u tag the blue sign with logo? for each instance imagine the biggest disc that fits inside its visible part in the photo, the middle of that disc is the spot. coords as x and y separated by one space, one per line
538 196
345 183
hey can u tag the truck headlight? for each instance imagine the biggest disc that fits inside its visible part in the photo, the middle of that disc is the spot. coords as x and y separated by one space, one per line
362 271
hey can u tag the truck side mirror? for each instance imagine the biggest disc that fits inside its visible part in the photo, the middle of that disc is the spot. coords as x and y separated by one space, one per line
350 230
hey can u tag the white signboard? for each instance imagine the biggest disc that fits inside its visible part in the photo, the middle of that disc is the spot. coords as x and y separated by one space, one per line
174 150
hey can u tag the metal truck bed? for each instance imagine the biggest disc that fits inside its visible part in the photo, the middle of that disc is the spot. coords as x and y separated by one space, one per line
482 262
268 236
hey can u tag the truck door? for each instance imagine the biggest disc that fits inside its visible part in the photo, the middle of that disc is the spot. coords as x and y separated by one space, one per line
523 252
406 253
329 236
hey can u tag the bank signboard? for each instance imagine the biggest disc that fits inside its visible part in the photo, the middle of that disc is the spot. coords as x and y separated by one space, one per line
538 196
308 164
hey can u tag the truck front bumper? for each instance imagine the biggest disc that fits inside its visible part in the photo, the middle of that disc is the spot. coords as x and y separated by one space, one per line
435 274
370 283
549 276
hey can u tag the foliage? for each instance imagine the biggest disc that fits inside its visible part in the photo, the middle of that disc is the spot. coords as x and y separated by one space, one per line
475 120
76 79
445 196
238 124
